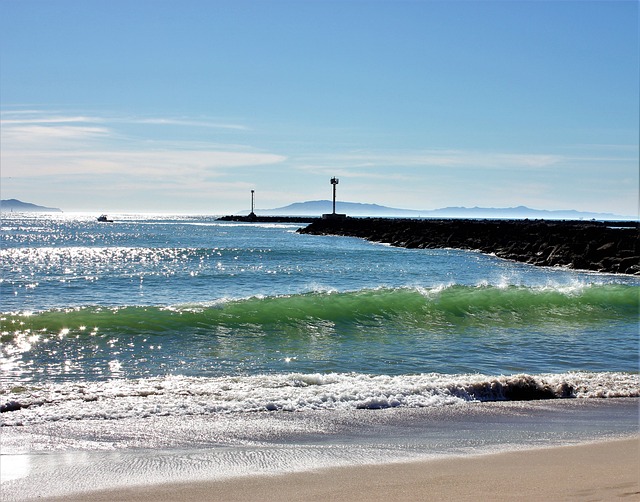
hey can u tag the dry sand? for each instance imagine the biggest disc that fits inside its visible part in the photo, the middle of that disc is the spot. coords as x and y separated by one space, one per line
598 471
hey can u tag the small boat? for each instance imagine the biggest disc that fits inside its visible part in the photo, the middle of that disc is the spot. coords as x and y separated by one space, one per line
103 218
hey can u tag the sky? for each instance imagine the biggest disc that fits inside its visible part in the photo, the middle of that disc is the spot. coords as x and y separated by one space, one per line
185 106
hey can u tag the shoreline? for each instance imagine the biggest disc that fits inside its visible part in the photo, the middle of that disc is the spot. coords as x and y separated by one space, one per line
129 458
596 470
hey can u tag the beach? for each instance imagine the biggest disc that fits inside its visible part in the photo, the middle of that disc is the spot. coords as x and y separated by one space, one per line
543 450
607 470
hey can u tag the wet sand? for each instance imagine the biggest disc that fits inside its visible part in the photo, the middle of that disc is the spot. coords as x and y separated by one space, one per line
597 471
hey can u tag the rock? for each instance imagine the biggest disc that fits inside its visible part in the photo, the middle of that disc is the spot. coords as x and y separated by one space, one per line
599 246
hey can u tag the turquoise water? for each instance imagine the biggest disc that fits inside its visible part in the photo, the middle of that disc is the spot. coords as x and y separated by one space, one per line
156 299
182 349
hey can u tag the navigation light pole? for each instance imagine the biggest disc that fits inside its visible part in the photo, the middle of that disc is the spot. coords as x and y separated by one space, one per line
334 182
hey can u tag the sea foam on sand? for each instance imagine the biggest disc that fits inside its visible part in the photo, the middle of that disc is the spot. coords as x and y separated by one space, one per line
172 456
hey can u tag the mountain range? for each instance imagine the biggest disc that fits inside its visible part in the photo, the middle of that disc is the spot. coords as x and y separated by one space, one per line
319 207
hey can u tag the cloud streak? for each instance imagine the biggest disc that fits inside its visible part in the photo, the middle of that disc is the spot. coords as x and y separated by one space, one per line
166 163
441 159
31 136
26 117
188 123
48 120
48 145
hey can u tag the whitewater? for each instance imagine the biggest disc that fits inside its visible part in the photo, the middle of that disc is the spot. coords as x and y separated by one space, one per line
257 349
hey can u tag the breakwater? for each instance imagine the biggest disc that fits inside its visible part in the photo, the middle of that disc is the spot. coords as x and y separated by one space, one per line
588 245
269 219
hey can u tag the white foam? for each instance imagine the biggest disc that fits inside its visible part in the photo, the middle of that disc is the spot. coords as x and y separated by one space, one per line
58 458
183 396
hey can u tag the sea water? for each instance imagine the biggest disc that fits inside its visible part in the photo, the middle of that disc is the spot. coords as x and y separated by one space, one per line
252 347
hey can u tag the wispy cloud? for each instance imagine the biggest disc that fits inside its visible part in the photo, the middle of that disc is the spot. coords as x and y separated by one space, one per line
26 117
188 123
167 163
45 136
37 144
353 163
49 120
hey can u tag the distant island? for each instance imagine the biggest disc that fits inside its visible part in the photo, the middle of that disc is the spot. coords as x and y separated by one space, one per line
17 206
318 207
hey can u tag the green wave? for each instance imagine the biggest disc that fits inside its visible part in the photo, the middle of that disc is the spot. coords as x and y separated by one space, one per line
410 308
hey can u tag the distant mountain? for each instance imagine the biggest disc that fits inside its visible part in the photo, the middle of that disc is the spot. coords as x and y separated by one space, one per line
18 206
319 207
522 212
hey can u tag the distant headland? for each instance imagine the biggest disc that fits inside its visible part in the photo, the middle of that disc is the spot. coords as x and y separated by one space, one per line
17 206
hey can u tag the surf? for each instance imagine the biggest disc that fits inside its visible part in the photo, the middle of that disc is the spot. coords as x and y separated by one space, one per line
189 396
452 307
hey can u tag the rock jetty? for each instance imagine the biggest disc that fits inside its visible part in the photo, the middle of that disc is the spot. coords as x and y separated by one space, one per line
269 219
612 247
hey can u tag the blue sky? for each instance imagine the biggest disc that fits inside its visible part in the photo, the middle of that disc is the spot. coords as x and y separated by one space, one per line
186 106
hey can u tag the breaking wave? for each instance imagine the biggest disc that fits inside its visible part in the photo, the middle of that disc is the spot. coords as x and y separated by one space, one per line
446 306
180 396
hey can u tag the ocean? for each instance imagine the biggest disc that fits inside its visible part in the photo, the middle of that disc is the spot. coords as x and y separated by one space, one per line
184 348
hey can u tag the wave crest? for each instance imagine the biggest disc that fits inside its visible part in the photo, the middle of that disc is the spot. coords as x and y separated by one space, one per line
449 306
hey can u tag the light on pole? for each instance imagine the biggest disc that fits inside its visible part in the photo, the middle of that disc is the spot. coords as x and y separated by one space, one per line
334 182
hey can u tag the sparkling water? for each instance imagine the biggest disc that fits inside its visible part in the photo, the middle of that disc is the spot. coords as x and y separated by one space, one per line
114 332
